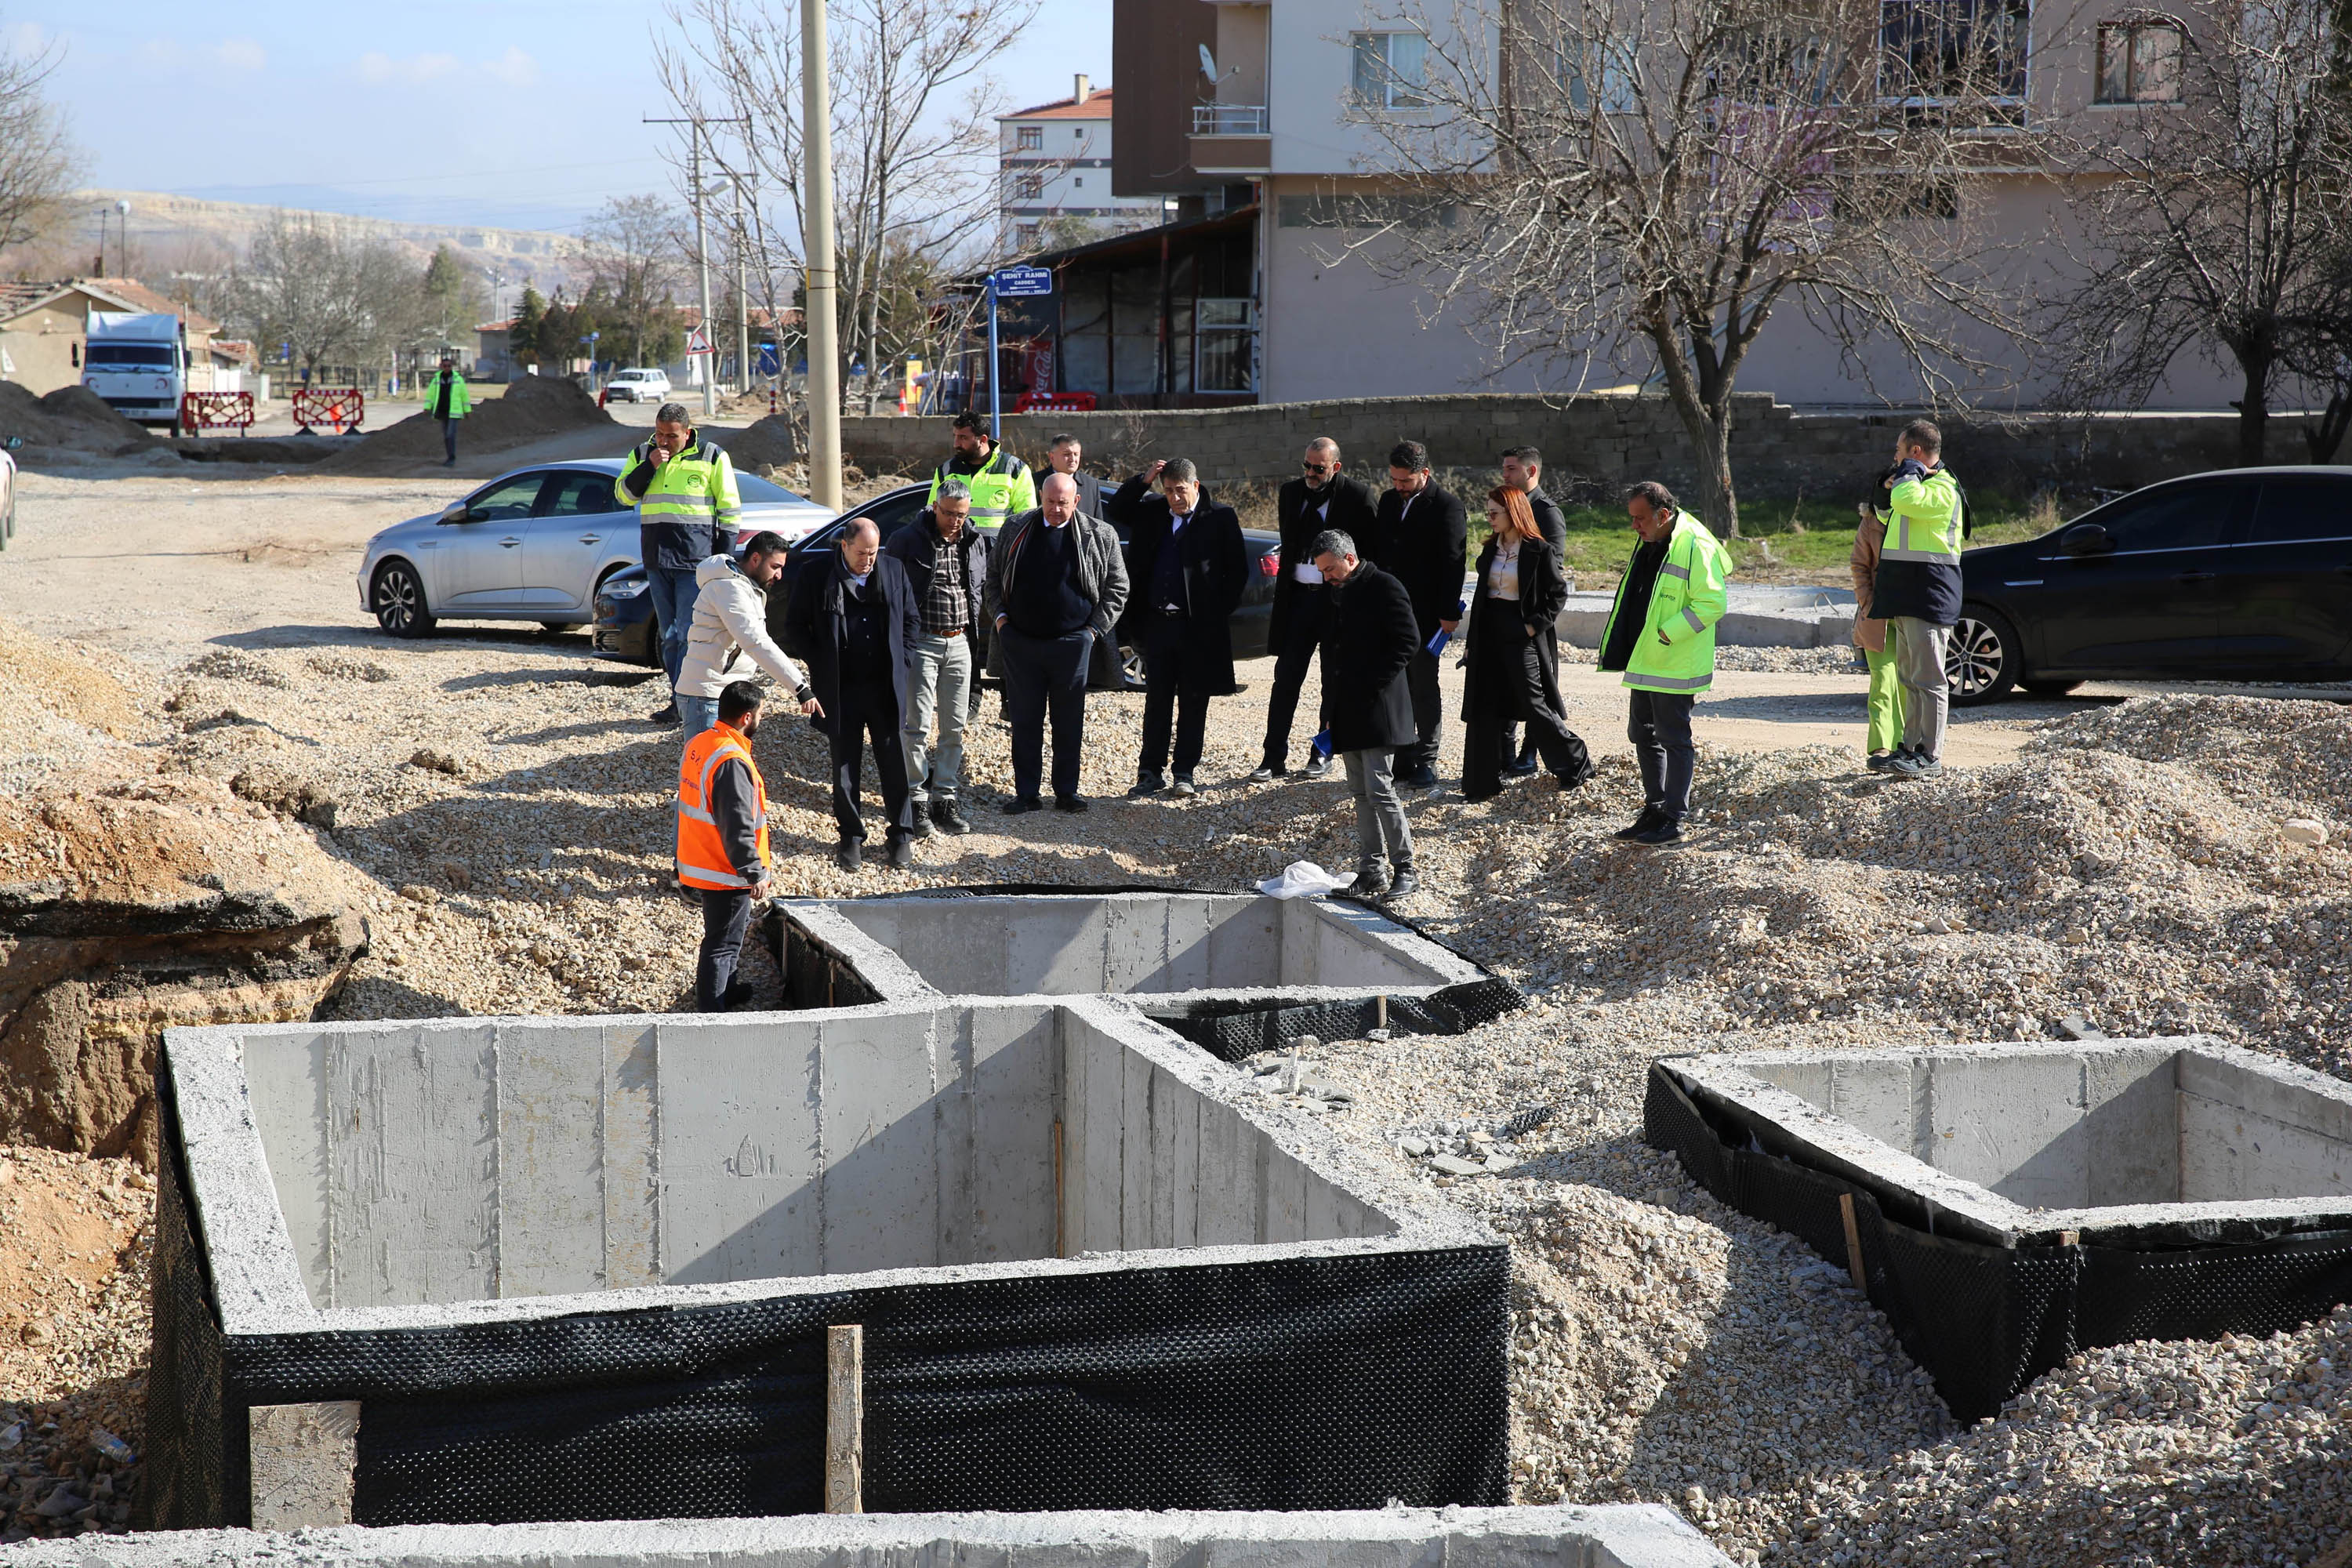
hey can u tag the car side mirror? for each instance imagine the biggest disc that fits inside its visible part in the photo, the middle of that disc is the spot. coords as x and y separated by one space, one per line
2086 539
456 512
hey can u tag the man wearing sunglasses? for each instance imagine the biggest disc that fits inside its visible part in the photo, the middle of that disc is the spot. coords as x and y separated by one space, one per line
1320 499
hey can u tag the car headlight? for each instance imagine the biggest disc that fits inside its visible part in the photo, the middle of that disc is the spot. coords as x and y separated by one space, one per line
624 590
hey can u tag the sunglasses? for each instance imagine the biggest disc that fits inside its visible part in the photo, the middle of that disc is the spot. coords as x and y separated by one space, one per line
1317 467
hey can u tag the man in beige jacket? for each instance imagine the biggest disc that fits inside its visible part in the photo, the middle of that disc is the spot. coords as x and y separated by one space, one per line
1869 634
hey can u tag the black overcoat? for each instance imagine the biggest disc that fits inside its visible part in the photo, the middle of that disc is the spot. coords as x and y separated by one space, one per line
1215 565
1368 640
1350 511
819 623
1423 549
1543 594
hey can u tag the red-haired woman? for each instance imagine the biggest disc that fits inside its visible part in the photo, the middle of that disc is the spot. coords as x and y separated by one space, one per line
1512 653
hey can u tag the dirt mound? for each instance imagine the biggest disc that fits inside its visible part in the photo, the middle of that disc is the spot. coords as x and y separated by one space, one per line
73 418
534 407
770 443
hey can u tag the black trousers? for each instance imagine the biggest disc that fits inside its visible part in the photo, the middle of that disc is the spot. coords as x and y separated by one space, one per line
1175 692
1511 681
1046 676
1302 635
1659 725
726 912
869 709
1428 711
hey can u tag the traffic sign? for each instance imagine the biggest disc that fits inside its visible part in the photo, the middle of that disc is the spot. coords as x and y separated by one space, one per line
697 342
1022 282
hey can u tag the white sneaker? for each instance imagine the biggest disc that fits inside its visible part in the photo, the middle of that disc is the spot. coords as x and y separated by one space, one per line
1318 765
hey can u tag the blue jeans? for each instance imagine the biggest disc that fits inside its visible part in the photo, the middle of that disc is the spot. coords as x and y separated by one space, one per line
674 592
697 714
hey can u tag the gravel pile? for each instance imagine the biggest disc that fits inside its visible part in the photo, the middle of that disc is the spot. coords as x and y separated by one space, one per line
2136 868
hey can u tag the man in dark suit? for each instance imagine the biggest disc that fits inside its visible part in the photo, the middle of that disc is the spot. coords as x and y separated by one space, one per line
1370 636
1324 497
1186 569
855 617
1523 471
1421 536
1065 456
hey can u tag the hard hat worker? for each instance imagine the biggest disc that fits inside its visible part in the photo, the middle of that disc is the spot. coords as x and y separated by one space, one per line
1001 484
683 489
446 399
723 842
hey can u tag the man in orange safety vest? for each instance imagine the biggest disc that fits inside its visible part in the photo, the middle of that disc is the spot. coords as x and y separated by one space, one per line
723 842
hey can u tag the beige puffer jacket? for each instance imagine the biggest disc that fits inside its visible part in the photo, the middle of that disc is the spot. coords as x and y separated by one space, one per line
1868 540
730 622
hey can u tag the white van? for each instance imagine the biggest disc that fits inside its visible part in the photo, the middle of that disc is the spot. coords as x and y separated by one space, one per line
138 364
639 385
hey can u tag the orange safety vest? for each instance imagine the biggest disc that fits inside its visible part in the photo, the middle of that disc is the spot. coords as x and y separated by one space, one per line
702 859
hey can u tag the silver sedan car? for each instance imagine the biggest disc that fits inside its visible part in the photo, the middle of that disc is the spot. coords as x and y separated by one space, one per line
533 546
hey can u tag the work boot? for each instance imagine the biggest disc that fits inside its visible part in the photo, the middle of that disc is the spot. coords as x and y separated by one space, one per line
1146 783
948 819
1651 817
922 827
902 854
666 716
1916 766
1422 777
1881 761
849 854
735 995
1372 881
1406 884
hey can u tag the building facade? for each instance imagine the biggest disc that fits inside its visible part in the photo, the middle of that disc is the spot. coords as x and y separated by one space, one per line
1053 169
45 329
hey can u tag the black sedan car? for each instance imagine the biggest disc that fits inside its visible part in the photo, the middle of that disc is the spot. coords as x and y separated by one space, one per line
2245 574
624 626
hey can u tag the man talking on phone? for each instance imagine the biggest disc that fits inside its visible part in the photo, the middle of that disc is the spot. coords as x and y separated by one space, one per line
683 488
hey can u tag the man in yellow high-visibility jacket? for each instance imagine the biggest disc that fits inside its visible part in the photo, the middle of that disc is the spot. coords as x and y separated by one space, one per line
1660 633
446 399
688 506
1917 591
1001 484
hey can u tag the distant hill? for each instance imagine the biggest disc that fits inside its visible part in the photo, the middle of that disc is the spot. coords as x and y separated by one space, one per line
187 233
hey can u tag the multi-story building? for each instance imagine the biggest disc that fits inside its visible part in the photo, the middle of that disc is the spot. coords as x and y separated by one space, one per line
1053 165
1264 153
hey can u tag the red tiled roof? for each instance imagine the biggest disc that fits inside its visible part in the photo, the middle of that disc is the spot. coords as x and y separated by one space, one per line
1096 106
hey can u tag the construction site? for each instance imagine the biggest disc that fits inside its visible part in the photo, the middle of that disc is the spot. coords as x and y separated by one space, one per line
1915 1178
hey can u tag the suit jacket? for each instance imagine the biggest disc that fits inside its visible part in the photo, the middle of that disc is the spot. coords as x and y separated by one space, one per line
1543 594
818 619
1423 549
1368 639
1215 569
1549 522
1350 510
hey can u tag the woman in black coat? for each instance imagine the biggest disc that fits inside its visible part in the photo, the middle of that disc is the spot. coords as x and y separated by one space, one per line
1512 654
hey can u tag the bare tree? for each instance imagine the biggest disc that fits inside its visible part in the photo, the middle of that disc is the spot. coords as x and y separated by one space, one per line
332 295
914 103
38 162
1644 184
2213 219
631 246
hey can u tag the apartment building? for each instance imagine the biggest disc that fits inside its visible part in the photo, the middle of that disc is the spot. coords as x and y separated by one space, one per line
1268 156
1054 167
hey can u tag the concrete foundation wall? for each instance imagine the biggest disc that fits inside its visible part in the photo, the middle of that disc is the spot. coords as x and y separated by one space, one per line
1621 1536
1143 944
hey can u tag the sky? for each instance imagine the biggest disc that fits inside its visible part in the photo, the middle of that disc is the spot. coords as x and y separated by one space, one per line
522 114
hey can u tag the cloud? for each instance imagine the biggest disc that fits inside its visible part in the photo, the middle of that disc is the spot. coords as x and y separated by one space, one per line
514 68
240 55
375 66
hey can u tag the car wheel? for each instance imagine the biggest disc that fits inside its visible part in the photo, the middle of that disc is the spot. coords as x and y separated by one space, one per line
1980 660
398 599
2047 688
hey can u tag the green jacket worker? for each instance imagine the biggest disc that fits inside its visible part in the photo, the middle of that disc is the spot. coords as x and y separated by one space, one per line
446 399
1917 590
1001 484
1660 633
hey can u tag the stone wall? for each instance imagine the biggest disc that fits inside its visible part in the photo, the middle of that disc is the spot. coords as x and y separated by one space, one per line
1604 441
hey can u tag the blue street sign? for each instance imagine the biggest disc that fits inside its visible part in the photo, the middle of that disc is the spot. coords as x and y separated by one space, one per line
1022 282
769 364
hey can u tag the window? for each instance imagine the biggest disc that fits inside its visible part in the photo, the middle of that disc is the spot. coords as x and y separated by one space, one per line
2188 518
1078 181
581 495
1224 346
1029 139
1935 55
2297 510
507 502
1025 234
1581 63
1028 187
2139 62
1392 69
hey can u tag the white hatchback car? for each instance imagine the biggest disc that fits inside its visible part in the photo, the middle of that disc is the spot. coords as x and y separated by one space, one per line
534 545
637 386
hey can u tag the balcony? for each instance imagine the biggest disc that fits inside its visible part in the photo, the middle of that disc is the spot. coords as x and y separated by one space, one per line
1231 138
1229 120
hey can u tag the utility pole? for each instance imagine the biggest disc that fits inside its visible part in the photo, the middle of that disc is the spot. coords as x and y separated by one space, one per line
824 353
702 238
742 298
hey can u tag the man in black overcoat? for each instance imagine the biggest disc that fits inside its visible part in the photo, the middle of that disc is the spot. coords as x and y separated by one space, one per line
1187 568
854 617
1322 498
1420 537
1370 637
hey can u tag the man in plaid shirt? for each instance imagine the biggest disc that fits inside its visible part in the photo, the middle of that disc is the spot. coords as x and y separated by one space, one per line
947 561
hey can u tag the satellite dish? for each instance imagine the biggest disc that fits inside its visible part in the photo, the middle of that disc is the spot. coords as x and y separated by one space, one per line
1208 63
